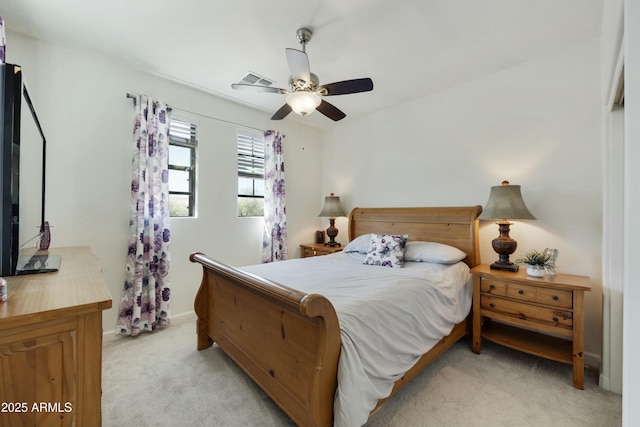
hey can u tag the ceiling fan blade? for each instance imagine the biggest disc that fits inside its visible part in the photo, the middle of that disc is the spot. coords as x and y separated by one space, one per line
298 64
282 112
256 88
347 86
330 111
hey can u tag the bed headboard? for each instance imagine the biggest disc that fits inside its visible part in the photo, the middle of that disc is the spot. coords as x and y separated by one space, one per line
455 226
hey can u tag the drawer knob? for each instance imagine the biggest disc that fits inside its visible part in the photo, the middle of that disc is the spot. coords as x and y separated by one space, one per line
555 298
555 319
492 287
521 292
491 305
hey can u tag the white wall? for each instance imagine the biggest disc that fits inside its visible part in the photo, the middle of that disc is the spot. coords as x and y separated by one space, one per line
631 346
536 125
613 196
88 121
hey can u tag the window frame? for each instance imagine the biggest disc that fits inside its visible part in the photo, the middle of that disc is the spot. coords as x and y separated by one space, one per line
192 144
250 138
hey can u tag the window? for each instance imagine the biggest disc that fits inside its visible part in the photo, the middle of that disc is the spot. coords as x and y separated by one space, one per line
182 168
250 174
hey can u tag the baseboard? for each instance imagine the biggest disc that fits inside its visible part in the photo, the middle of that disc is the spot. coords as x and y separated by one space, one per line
592 361
182 318
178 319
604 382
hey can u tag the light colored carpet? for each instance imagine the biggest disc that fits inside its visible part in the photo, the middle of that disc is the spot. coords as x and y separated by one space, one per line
160 379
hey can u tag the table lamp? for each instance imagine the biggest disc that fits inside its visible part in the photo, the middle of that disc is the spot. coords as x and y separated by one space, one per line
332 208
505 202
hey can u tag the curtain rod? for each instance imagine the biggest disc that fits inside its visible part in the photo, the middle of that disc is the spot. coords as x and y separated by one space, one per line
206 116
133 98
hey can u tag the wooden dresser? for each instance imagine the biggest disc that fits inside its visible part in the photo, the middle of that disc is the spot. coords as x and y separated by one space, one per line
51 344
541 316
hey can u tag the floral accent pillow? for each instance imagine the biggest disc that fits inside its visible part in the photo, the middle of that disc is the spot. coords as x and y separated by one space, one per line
386 250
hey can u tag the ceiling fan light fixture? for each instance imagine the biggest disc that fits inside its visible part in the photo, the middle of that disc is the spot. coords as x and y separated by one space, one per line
303 102
305 93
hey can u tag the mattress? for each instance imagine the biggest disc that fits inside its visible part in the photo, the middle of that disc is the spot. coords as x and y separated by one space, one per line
389 317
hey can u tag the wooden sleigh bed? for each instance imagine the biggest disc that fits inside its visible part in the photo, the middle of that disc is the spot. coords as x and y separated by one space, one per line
288 341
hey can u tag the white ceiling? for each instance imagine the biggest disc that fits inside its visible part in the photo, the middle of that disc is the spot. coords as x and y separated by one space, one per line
410 48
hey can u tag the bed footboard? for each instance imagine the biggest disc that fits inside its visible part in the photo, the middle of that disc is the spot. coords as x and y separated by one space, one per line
287 341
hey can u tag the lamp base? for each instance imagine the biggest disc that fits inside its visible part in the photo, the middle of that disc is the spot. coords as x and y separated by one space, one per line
504 266
504 246
332 232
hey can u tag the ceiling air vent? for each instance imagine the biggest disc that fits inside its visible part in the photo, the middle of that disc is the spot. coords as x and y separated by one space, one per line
252 78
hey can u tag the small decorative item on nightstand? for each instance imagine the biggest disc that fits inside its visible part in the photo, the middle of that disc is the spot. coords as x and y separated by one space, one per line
534 270
320 236
553 256
537 262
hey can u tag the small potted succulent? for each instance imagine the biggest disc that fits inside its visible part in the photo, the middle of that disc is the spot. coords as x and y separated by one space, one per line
537 262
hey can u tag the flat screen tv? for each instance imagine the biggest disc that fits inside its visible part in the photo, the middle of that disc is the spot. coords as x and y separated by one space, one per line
22 173
10 112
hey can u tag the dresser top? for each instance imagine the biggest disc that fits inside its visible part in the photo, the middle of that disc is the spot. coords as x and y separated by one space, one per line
78 287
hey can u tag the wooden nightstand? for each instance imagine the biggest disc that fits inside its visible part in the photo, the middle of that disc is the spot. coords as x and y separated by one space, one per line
317 249
527 310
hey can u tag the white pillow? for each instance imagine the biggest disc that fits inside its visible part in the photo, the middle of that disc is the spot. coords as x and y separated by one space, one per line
432 252
359 244
386 250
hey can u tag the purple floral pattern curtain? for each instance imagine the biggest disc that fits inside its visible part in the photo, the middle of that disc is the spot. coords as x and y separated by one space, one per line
274 241
2 42
145 298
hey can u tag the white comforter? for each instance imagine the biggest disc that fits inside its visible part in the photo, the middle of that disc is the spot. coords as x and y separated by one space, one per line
388 318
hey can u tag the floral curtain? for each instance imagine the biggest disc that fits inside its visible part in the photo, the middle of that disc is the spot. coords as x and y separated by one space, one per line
274 241
2 42
145 298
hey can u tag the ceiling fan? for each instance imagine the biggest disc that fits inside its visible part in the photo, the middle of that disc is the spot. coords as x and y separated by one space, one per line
305 94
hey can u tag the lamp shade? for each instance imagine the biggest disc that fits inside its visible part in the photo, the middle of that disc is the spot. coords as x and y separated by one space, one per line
303 102
505 202
332 207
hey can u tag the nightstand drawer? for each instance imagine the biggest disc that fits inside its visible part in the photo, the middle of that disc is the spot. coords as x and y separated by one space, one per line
318 249
315 252
555 297
547 316
320 252
495 287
